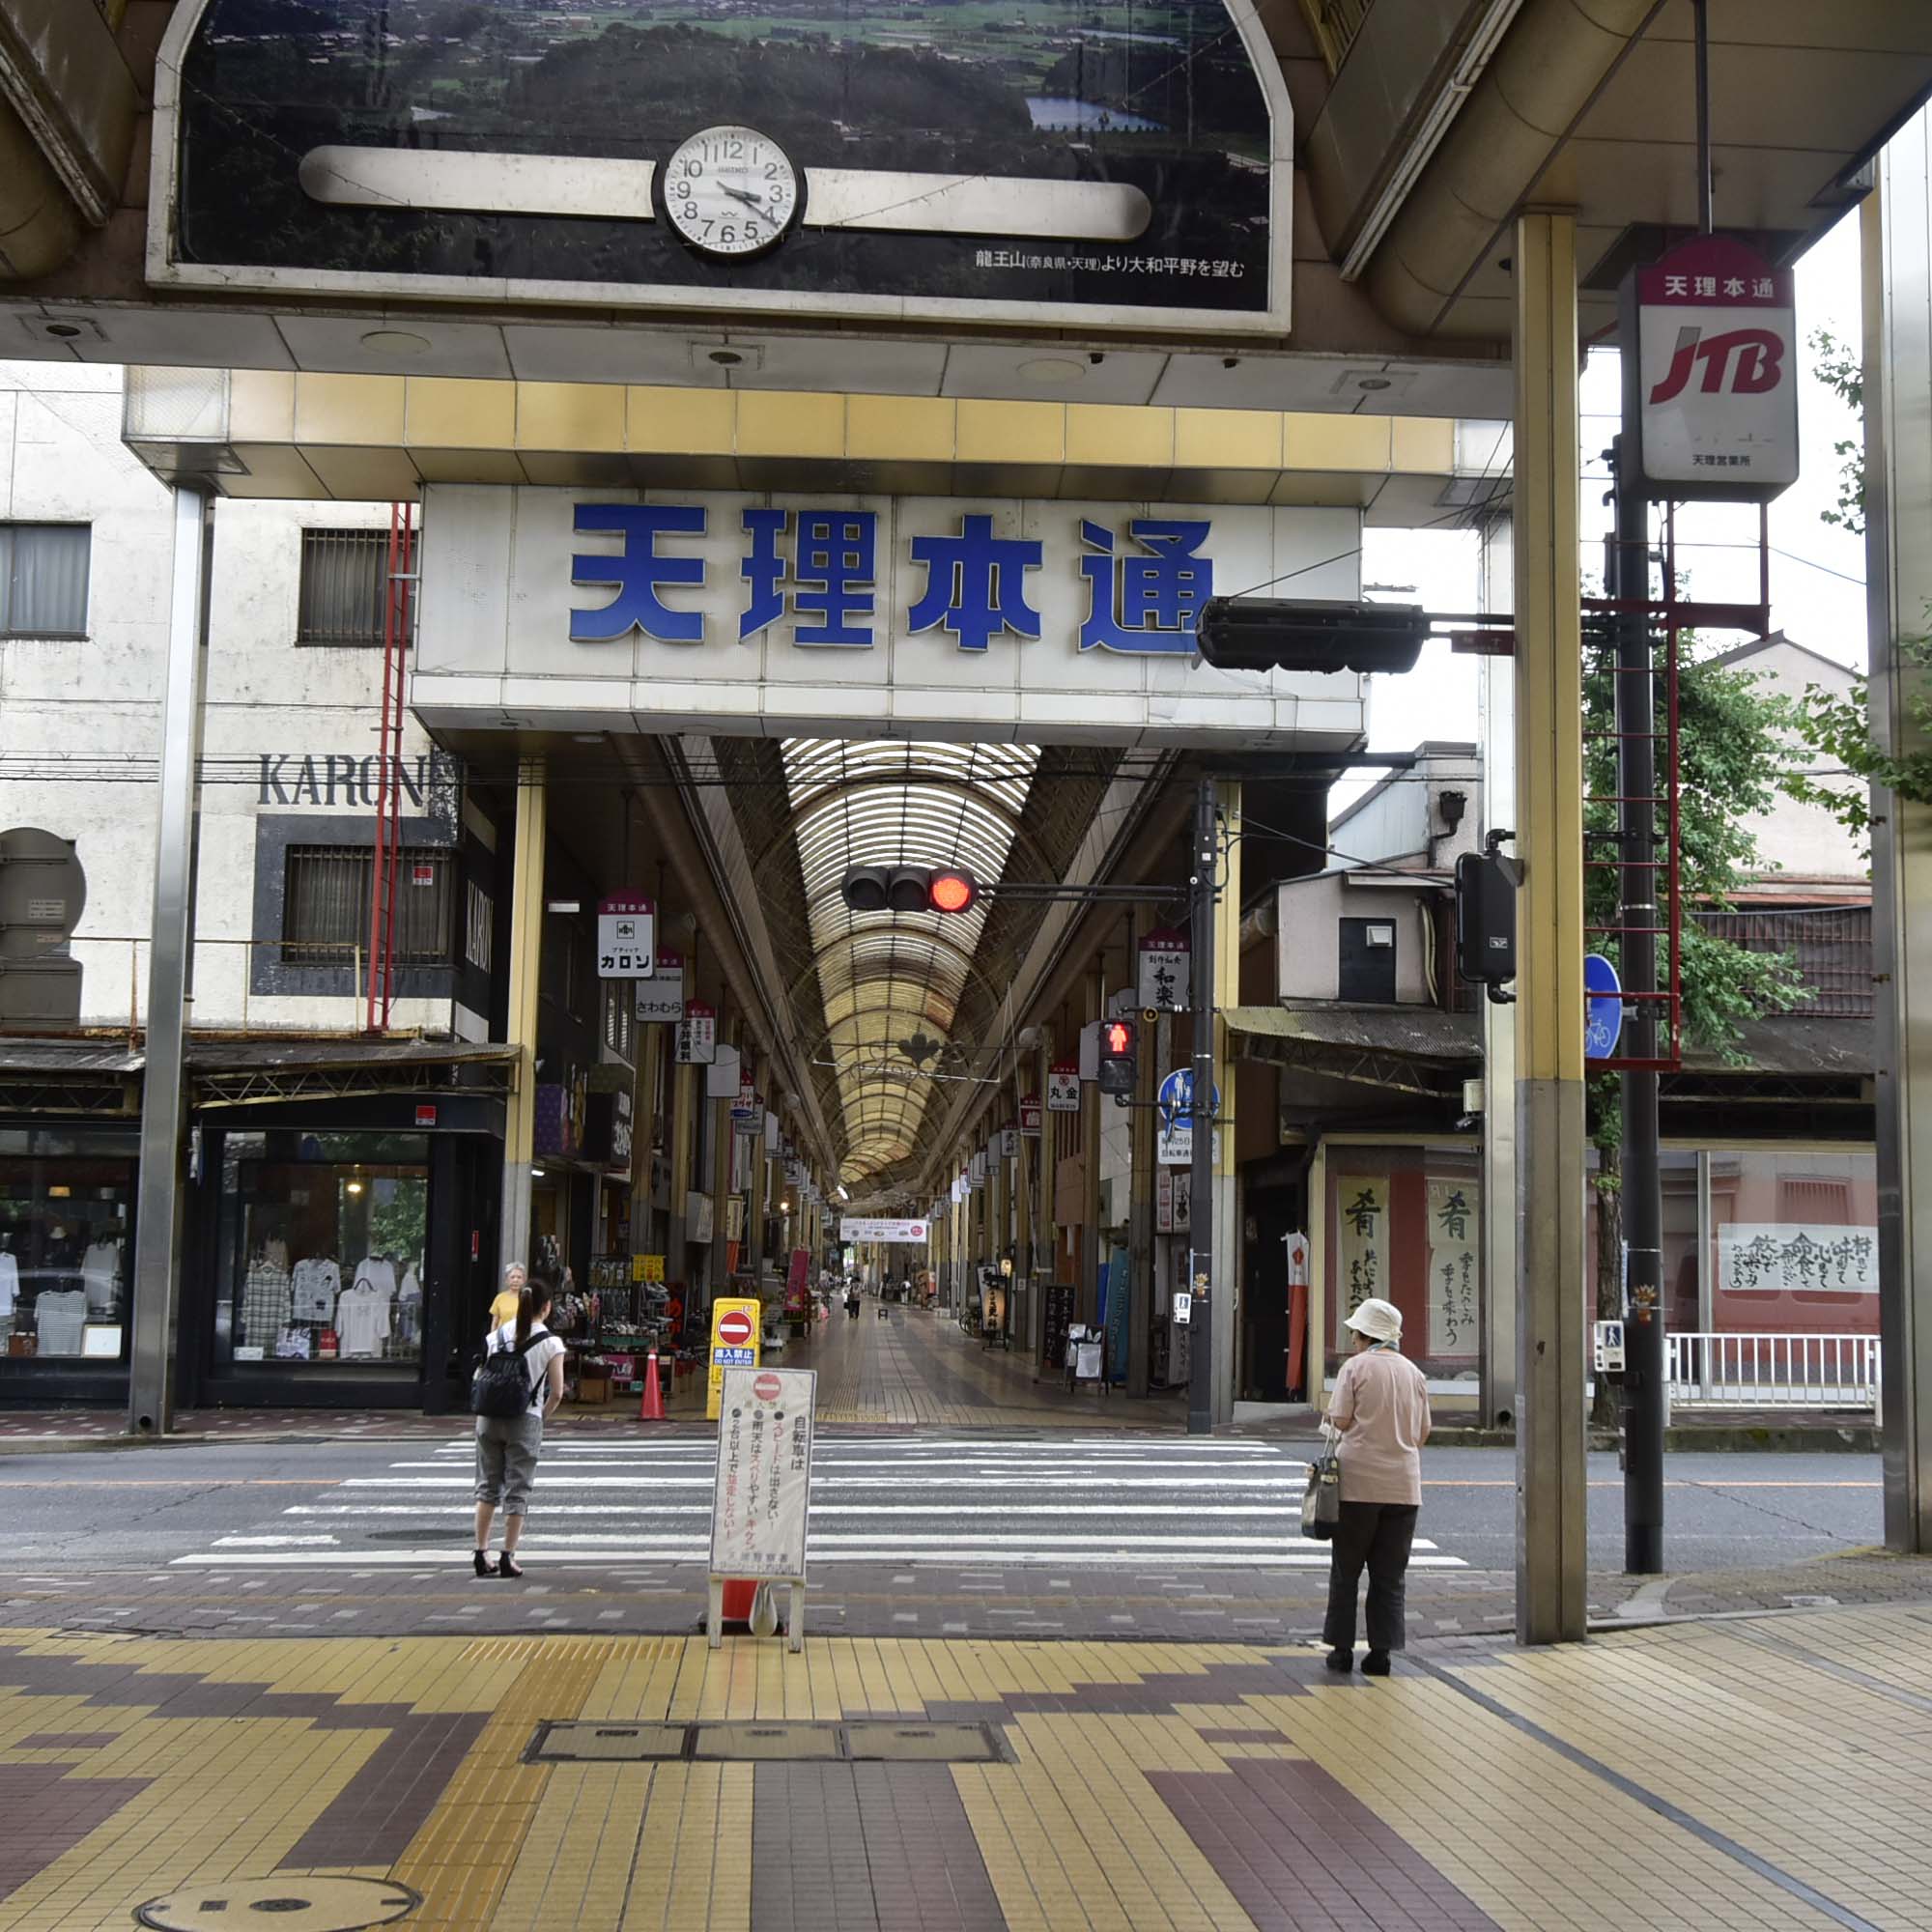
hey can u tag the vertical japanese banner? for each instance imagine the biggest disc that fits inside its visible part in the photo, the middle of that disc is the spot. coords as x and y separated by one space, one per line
1455 1237
1361 1237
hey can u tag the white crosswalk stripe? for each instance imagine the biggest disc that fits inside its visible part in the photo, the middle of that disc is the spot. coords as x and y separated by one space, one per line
907 1500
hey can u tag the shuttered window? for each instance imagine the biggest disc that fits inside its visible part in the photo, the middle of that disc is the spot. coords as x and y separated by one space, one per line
326 909
343 575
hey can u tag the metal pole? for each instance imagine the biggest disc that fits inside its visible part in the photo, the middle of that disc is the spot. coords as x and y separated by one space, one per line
1701 33
158 1197
1637 916
1201 1184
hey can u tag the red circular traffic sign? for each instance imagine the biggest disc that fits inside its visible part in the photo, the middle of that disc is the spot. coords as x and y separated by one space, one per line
766 1387
734 1328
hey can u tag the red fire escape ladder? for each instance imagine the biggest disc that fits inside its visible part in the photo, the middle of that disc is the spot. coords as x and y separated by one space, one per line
386 859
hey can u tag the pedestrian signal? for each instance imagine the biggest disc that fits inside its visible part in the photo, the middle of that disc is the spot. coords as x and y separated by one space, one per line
1118 1040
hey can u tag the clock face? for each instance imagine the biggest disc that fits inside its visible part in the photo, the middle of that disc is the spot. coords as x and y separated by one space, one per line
731 191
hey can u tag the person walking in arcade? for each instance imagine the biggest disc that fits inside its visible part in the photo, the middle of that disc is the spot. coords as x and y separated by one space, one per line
1381 1409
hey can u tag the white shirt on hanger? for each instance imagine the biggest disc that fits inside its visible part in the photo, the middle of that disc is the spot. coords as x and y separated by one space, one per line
9 1282
362 1319
101 1276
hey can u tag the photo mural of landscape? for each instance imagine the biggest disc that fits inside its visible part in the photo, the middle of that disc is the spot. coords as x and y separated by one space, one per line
1156 93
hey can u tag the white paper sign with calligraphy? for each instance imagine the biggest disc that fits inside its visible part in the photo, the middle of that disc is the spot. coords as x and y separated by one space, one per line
1063 1089
1165 983
1454 1264
1784 1256
1361 1237
759 1498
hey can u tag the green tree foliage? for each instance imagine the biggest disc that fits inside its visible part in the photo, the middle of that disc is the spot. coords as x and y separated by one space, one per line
1841 372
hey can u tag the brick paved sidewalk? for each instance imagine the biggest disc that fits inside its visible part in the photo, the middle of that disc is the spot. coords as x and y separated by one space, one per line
1739 1774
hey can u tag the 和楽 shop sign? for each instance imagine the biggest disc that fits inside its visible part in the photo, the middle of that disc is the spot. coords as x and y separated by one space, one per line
1710 372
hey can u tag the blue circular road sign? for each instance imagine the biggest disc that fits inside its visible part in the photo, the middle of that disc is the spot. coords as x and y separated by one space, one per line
1602 1006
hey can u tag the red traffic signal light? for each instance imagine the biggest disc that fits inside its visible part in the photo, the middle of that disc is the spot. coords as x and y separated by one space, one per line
952 889
1118 1040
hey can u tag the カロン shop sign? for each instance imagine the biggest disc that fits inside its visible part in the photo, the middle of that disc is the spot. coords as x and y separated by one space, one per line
1710 372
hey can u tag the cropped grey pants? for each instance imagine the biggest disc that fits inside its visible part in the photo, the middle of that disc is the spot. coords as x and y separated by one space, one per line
507 1460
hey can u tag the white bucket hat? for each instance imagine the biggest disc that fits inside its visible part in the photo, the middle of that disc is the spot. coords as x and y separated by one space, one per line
1380 1320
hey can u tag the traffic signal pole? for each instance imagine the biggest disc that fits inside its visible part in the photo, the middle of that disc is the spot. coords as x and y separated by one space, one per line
1638 920
1201 1182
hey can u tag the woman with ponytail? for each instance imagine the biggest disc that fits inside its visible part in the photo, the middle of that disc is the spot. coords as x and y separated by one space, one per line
507 1445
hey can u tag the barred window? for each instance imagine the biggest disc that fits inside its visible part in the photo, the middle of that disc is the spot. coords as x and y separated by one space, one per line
620 1016
325 907
43 570
344 574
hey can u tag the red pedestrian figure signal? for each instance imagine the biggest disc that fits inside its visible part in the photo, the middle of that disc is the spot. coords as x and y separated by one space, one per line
1118 1040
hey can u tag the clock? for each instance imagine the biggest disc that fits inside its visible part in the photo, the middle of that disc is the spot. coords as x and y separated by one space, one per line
731 193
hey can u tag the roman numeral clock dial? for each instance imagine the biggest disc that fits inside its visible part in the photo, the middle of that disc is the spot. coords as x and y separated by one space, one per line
731 193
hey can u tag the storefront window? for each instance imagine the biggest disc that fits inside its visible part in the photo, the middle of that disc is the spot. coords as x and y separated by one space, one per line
323 1243
66 1250
1794 1243
1406 1224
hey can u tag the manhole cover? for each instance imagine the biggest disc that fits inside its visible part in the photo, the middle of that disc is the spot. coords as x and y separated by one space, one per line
569 1743
751 1742
289 1902
922 1743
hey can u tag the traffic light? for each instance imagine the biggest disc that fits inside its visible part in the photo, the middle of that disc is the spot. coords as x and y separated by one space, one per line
944 888
1485 884
1117 1056
1309 634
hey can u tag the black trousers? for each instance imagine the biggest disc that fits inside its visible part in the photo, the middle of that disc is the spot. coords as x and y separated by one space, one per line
1376 1535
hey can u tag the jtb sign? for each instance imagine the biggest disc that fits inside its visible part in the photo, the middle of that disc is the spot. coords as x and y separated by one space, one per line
1711 385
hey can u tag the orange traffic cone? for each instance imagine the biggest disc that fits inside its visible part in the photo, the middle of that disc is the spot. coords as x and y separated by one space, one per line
652 1407
740 1592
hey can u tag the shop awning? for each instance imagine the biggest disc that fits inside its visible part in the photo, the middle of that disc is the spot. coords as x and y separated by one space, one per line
41 1075
1405 1049
239 1073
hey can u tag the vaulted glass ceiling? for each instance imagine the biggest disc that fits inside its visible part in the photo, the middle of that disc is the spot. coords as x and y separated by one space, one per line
893 983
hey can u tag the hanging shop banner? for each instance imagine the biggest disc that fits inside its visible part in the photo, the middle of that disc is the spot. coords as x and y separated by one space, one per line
1362 1239
873 1228
1007 1142
626 938
1063 1089
1104 165
736 1335
700 1218
1029 1117
1296 1250
761 1495
721 1082
1784 1256
976 1167
661 997
1163 1200
1165 982
1455 1263
1712 391
697 1043
648 1267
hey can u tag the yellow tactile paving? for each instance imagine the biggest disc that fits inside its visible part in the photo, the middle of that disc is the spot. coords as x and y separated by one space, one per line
1801 1744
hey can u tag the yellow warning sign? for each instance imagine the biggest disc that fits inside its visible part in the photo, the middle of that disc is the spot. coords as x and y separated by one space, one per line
736 1327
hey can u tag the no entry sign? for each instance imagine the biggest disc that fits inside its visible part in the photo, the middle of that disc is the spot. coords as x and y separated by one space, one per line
734 1329
734 1343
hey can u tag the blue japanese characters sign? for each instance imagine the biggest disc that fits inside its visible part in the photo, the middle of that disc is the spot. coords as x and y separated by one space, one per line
867 616
1147 579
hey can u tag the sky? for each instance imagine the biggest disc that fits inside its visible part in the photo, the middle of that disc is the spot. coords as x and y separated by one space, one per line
1817 571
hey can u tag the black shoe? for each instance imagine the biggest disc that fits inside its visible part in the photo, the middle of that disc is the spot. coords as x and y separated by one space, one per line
1375 1664
484 1567
508 1566
1340 1662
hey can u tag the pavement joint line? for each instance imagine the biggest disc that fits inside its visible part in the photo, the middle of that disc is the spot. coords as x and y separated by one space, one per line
1652 1801
1846 1672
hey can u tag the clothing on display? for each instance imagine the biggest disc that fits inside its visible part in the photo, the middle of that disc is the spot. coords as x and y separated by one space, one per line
362 1312
409 1310
10 1284
292 1346
316 1282
59 1316
265 1303
100 1277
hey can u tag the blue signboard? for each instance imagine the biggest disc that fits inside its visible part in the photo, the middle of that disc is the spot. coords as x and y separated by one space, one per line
1602 1006
1175 1099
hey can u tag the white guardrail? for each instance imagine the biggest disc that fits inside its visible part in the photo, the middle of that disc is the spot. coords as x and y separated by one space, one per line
1771 1371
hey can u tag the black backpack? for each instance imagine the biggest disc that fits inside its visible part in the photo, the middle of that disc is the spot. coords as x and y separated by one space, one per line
501 1387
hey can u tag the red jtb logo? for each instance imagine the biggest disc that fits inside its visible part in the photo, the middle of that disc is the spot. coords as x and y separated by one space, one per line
1753 358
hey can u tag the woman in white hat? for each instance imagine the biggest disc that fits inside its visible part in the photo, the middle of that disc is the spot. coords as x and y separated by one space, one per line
1380 1406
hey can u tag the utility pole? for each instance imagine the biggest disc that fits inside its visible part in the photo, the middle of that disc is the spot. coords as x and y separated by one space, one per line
1638 922
1201 1103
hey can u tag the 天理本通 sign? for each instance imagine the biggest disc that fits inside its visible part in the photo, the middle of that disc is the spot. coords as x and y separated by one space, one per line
626 938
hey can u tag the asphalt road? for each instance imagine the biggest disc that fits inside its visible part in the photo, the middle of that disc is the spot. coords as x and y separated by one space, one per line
1049 1501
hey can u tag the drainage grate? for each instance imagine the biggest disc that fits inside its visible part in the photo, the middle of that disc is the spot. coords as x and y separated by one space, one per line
565 1741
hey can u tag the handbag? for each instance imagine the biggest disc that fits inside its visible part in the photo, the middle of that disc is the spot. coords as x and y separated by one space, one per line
501 1387
1322 1499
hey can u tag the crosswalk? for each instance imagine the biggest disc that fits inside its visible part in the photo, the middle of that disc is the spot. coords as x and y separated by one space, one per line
1084 1502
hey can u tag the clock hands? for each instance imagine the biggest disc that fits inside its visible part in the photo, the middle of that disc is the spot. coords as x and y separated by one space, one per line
745 195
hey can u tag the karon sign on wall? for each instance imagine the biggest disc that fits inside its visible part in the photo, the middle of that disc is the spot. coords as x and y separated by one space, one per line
967 617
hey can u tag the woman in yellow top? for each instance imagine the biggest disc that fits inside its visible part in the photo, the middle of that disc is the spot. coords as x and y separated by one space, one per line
504 1308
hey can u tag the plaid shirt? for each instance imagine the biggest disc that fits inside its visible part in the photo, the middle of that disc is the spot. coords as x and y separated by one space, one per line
265 1303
